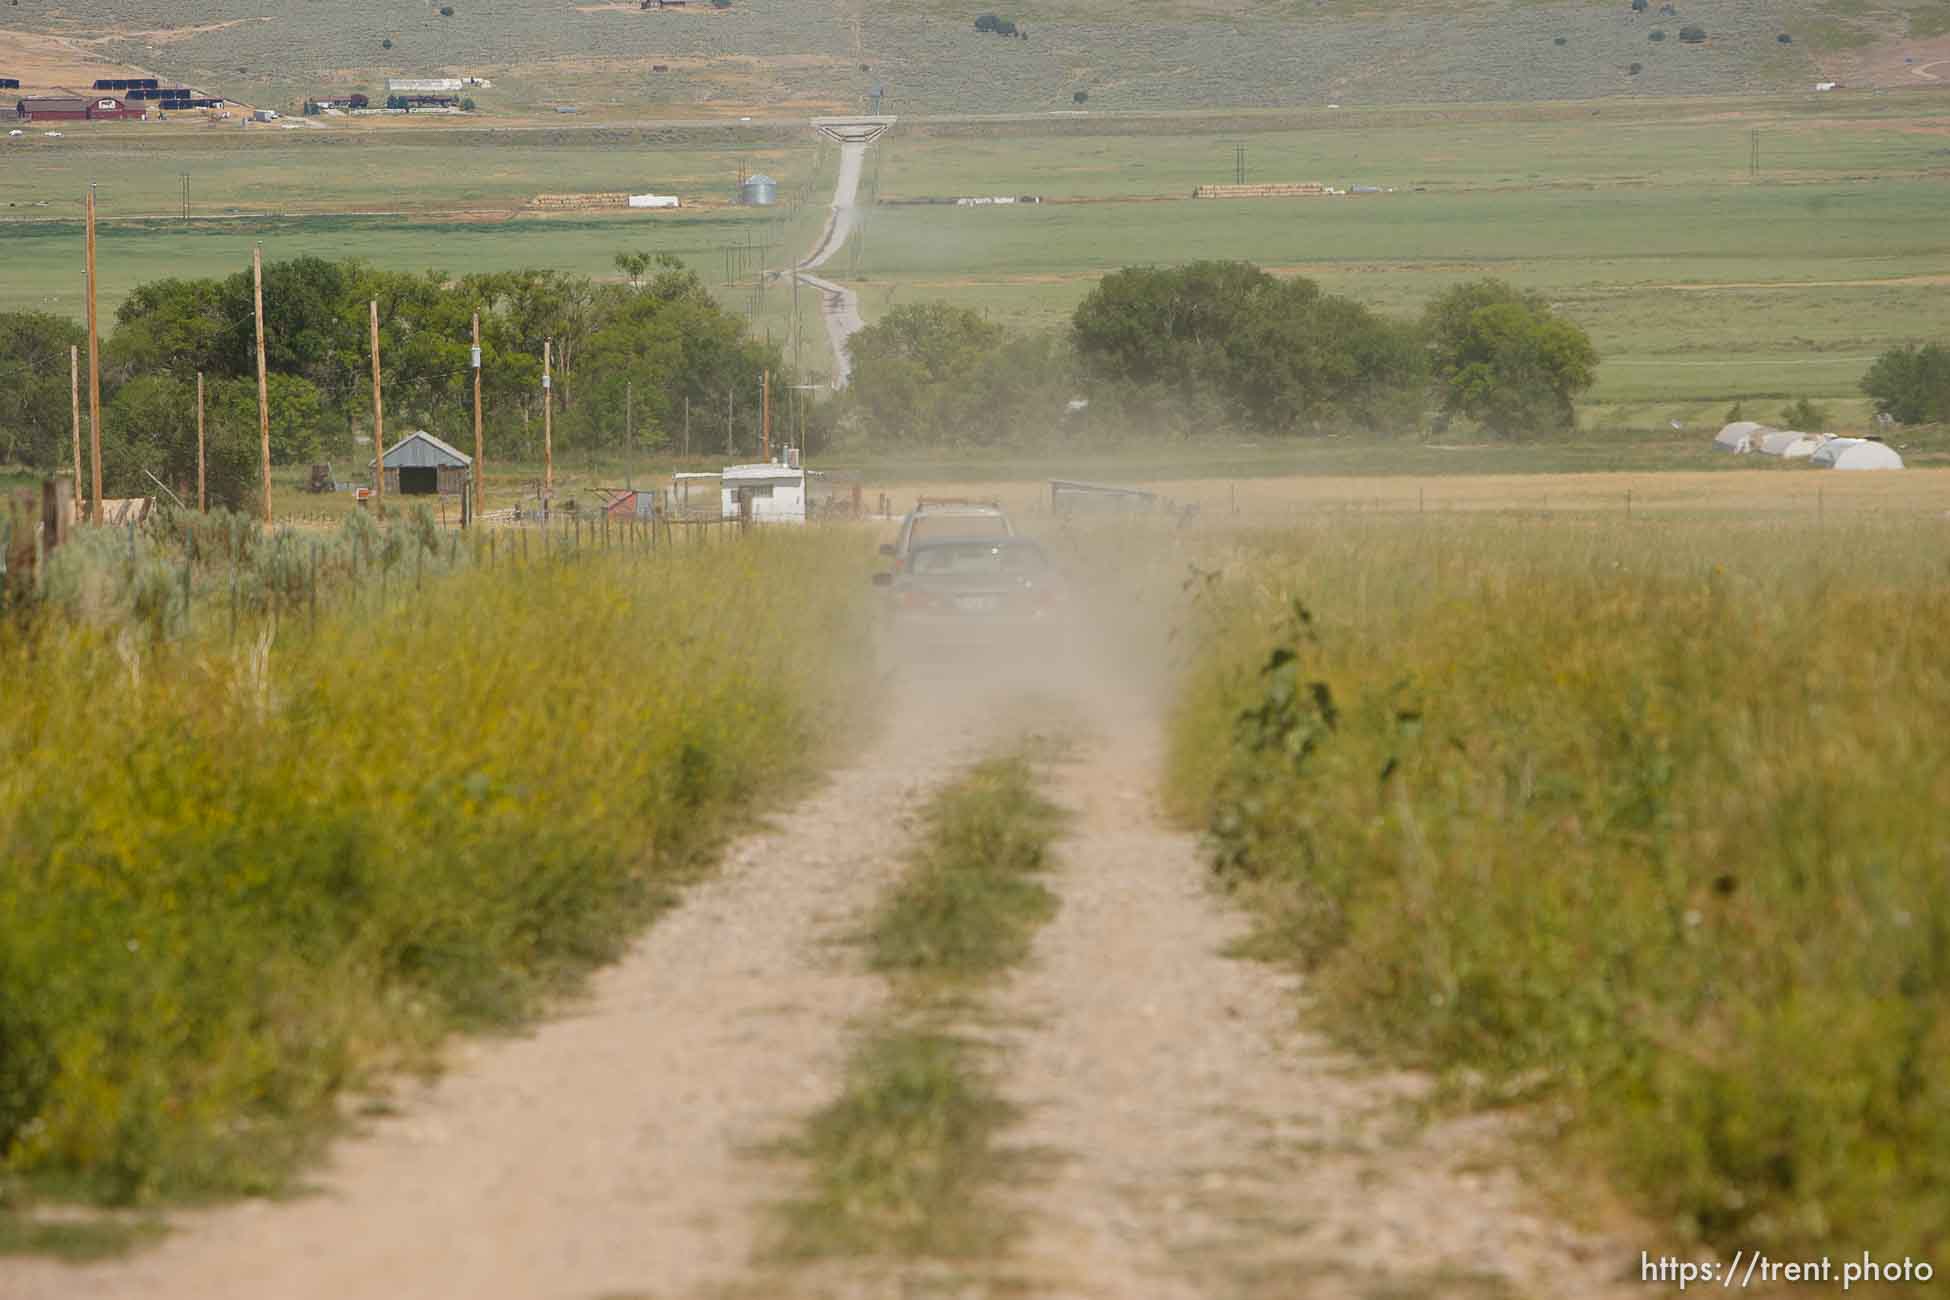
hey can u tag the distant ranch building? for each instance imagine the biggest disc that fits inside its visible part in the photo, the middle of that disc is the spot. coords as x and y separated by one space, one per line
423 85
74 108
422 465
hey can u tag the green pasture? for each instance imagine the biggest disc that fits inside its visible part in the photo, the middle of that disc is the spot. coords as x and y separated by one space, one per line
1611 143
1690 293
138 171
1700 282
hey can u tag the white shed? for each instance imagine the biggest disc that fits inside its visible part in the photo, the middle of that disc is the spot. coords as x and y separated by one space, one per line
777 493
1855 453
1739 437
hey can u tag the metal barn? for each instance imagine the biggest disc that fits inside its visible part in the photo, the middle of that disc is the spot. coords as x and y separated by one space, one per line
422 465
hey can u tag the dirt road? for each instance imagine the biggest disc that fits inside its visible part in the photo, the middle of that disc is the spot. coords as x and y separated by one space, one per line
839 306
1201 1141
1193 1139
608 1153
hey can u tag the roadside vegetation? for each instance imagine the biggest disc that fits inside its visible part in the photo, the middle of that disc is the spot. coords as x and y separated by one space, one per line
264 847
904 1161
1213 348
1642 824
630 361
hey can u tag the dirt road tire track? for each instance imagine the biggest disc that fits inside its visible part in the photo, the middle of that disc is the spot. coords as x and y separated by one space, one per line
838 305
1202 1142
611 1151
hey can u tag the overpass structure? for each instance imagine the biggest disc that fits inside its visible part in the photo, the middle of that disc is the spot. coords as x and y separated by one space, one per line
852 130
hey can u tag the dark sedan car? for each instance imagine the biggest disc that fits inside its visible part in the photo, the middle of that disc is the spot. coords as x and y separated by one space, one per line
957 585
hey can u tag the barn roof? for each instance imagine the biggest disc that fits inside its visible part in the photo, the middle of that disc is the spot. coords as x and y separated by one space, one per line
421 450
58 103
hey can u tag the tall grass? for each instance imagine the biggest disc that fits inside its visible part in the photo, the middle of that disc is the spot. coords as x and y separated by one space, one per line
1646 820
236 881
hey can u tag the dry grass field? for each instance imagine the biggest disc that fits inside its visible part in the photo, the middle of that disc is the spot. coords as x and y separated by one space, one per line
1770 493
602 56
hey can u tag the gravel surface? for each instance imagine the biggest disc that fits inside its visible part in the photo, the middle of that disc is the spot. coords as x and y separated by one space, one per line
1199 1140
839 305
610 1152
1188 1137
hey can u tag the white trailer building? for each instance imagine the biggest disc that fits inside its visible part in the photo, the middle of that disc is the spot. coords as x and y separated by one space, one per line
777 493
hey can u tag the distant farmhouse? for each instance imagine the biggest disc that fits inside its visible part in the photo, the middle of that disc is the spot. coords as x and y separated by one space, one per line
75 108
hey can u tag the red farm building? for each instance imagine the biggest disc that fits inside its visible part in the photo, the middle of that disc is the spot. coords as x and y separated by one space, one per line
75 108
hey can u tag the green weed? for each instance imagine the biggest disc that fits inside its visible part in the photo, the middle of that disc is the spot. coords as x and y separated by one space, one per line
238 881
970 903
1646 821
902 1159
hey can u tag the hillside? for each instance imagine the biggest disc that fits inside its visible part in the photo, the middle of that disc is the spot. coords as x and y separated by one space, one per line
773 55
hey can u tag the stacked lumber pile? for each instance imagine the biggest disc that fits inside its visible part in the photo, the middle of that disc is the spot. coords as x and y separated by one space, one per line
620 199
1283 190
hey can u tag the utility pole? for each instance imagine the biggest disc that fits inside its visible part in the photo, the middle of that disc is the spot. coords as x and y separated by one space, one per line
730 395
629 415
263 384
186 198
480 456
94 374
687 424
765 414
548 421
378 421
202 497
74 403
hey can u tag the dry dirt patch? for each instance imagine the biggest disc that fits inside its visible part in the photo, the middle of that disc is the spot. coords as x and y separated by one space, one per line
1895 62
45 62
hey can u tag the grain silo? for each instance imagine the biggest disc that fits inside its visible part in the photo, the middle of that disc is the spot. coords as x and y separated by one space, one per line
758 191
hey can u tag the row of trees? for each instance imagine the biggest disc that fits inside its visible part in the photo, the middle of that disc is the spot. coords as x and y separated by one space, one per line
628 359
1215 345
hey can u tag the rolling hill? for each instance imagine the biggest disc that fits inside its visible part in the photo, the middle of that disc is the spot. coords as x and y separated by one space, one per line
603 56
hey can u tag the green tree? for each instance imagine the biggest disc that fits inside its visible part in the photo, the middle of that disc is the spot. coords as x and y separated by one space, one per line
913 372
35 399
634 265
652 348
1911 384
150 428
1805 415
1225 341
1504 359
